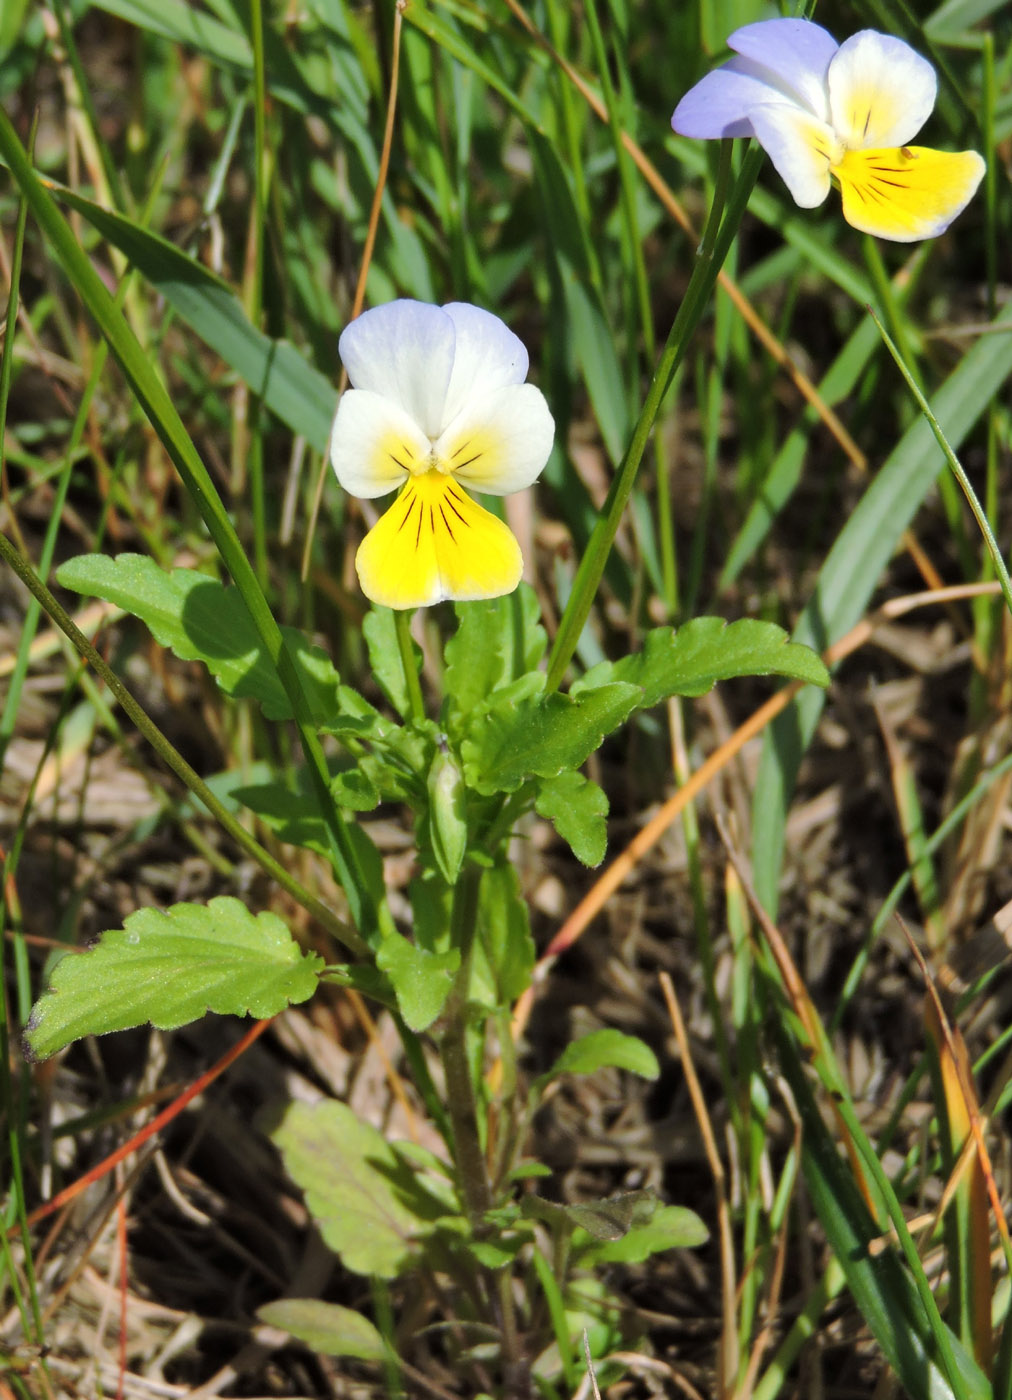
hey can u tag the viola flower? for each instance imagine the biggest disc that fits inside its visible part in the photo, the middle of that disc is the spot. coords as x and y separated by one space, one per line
438 402
848 111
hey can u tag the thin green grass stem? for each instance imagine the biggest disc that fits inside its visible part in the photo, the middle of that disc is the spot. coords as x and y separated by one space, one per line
665 515
16 1102
6 369
710 258
986 615
893 315
383 1308
627 189
892 312
555 13
979 514
260 179
1002 1379
153 397
548 1277
988 108
402 627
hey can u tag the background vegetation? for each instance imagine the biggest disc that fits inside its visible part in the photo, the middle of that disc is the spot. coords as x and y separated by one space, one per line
219 168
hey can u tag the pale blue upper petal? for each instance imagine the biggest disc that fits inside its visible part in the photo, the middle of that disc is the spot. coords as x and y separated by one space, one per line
718 105
403 350
793 55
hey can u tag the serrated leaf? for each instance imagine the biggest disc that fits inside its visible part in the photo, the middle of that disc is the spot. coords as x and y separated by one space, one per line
421 980
497 640
510 739
325 1327
606 1048
199 619
704 651
170 967
577 808
670 1227
367 1202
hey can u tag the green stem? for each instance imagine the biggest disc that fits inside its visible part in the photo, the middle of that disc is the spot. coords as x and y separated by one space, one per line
979 514
402 625
329 920
472 1172
256 455
710 257
887 300
156 403
627 192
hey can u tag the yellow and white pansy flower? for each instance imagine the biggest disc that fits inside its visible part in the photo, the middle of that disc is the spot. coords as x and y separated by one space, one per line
438 404
823 110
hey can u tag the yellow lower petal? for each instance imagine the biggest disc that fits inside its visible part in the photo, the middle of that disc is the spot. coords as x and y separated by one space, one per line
434 543
906 193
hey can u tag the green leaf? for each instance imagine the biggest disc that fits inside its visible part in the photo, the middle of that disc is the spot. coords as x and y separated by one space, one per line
369 1205
601 1049
200 619
577 808
608 1219
517 734
497 1253
421 980
325 1327
293 816
169 967
380 633
356 788
496 642
704 651
11 19
505 954
670 1227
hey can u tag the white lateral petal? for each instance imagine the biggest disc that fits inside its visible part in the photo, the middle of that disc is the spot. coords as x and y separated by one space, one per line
487 356
719 104
500 443
880 92
794 54
801 147
404 351
375 444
